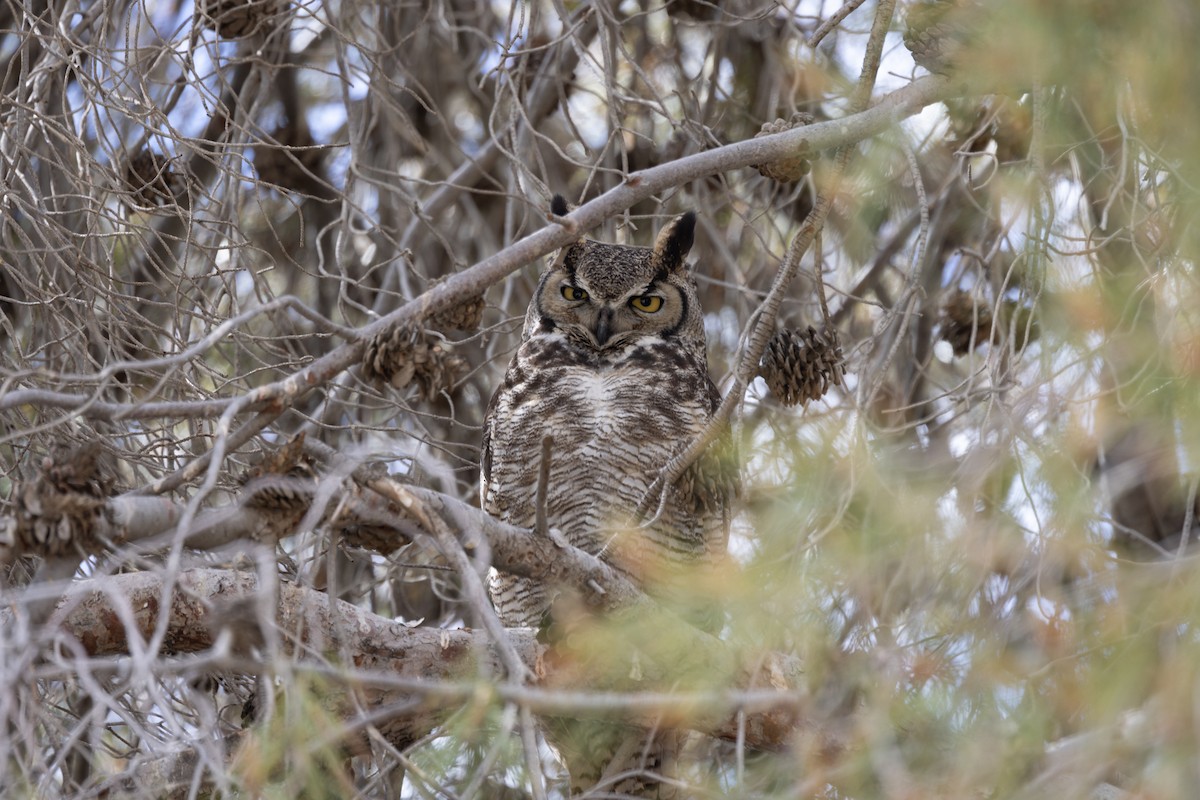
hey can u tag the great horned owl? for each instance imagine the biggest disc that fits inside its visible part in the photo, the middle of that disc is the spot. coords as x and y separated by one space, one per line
613 366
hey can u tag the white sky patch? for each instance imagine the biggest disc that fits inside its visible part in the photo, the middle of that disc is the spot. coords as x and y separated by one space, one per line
925 124
952 518
692 51
960 444
588 114
1046 610
725 77
306 26
358 80
325 119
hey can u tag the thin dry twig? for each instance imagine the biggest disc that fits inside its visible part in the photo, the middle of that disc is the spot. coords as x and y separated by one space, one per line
834 19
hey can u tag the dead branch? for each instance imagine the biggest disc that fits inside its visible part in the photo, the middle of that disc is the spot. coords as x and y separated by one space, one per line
272 399
405 511
396 665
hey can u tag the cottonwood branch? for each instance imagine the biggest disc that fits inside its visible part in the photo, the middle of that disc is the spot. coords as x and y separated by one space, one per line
382 516
271 400
382 519
405 678
410 511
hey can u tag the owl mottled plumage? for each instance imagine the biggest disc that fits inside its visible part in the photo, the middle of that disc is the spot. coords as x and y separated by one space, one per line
613 366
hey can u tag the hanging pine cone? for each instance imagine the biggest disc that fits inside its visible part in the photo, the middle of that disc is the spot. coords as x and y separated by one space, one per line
462 316
57 512
793 167
936 32
964 320
152 180
405 354
801 366
285 480
233 19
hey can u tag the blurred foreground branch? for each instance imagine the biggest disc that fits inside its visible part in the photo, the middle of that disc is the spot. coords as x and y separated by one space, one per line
393 662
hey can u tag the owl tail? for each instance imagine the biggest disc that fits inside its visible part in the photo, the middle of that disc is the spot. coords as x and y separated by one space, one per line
617 760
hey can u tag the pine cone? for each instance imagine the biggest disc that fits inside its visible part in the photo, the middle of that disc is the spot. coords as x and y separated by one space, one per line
936 32
405 354
233 19
285 480
799 367
153 180
463 316
963 319
84 469
57 511
439 371
794 167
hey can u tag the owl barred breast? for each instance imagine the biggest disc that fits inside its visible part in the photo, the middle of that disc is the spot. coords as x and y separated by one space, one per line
613 366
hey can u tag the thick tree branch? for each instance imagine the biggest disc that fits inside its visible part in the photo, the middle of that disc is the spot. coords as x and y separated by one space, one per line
384 515
419 673
381 516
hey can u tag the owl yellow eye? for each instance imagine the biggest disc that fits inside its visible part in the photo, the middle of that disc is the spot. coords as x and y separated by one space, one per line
574 293
647 302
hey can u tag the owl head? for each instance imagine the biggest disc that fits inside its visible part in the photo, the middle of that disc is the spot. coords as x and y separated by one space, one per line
607 297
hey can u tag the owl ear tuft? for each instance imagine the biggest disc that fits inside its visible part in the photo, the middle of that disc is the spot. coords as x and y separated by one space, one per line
675 240
558 206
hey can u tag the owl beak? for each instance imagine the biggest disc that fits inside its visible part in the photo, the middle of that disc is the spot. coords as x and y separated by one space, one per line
603 329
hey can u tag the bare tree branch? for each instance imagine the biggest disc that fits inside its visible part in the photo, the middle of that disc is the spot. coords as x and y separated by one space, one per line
394 662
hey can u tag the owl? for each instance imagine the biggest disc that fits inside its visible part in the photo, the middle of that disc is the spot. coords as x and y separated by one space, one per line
612 365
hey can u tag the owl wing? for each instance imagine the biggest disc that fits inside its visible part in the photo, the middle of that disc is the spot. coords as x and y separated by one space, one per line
519 602
485 451
485 462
